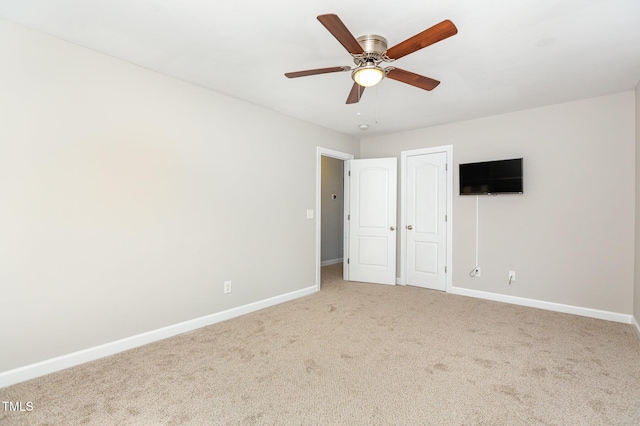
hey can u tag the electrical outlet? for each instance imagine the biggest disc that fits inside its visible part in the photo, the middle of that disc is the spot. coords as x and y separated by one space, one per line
227 286
512 276
478 272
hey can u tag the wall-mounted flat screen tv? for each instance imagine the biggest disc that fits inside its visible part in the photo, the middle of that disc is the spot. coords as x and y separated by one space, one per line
491 177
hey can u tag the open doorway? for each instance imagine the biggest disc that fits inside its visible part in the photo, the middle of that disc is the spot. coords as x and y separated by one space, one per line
332 218
331 212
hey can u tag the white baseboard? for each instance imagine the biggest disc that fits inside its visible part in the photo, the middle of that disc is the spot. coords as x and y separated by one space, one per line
636 326
330 262
549 306
42 368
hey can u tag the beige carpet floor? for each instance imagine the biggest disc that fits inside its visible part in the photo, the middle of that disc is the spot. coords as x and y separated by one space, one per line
354 354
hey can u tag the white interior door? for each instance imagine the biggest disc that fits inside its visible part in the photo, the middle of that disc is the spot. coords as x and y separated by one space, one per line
426 227
372 221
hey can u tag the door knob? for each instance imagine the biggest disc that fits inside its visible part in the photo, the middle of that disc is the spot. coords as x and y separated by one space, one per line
409 227
392 228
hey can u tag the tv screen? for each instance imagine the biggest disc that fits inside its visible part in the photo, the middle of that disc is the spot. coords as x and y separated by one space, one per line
491 177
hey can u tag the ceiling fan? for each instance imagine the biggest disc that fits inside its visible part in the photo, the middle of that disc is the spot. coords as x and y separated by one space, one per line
369 51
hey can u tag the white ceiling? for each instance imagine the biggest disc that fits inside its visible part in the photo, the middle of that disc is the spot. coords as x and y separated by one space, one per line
508 55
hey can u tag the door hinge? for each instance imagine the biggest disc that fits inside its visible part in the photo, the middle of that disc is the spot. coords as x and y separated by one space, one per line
445 269
348 217
446 166
348 260
445 217
349 172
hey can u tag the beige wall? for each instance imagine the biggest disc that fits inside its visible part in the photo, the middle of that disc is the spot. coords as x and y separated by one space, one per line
332 210
128 197
569 236
636 292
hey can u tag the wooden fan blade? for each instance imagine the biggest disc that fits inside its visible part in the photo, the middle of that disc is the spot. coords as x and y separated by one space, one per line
438 32
413 79
316 71
341 33
355 94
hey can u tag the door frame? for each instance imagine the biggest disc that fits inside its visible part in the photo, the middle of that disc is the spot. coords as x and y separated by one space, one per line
326 152
448 149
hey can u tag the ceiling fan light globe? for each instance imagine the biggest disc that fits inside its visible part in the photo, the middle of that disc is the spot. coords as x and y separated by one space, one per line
368 76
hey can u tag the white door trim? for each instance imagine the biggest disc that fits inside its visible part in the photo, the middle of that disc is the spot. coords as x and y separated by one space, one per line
326 152
448 149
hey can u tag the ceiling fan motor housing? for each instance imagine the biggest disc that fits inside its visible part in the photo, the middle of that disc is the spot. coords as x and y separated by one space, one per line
372 43
374 47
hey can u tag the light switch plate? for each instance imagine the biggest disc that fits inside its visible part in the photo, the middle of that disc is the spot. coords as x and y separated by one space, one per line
309 214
